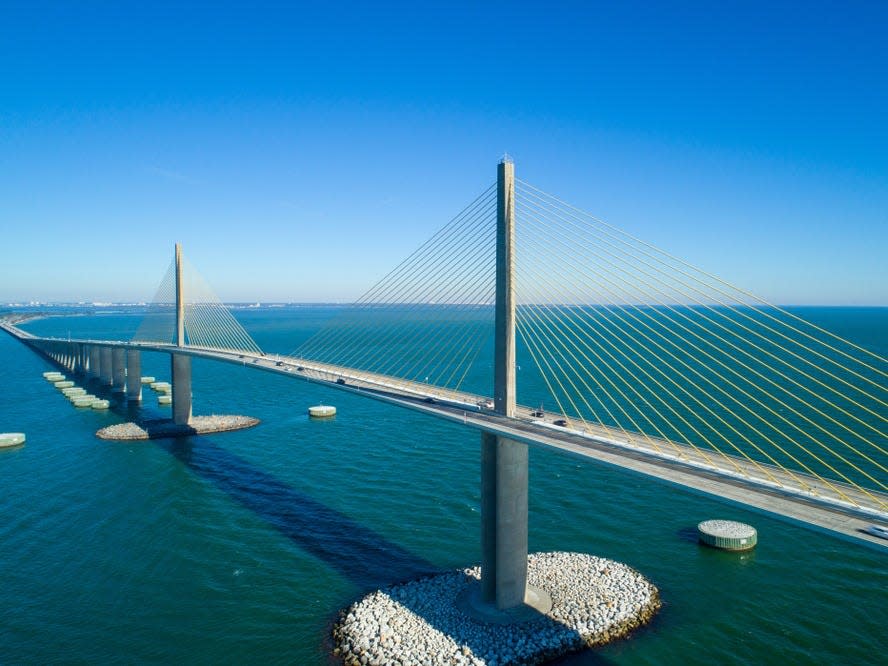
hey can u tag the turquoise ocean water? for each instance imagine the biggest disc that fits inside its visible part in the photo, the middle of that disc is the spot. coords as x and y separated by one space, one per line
242 547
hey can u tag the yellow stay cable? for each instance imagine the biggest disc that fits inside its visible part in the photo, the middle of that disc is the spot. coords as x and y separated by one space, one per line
607 376
771 425
616 421
733 308
703 437
728 284
746 353
719 418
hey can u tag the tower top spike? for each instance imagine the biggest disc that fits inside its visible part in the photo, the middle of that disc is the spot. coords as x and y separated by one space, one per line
506 159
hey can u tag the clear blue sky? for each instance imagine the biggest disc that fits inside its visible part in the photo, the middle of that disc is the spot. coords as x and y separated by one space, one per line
300 152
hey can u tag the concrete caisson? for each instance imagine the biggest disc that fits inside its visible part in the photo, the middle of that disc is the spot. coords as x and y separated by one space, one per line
727 535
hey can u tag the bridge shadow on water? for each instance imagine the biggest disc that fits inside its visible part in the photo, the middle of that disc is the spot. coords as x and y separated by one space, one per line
364 557
358 553
367 559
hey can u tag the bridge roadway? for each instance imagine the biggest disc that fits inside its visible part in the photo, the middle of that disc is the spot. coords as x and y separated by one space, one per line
834 507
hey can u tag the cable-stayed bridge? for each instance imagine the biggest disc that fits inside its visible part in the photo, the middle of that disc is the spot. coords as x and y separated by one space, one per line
536 323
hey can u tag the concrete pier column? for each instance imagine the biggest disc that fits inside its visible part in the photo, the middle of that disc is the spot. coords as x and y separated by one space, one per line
504 488
118 369
106 367
95 363
181 373
133 375
81 359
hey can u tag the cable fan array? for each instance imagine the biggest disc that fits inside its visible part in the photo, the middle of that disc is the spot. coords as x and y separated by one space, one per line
624 334
159 322
208 323
429 319
616 333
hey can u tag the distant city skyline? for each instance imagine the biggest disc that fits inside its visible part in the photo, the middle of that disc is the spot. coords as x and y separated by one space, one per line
301 152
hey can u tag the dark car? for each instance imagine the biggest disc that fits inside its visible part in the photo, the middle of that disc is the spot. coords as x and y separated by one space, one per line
561 422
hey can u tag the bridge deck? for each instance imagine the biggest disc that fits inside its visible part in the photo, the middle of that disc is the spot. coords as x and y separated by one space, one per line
832 506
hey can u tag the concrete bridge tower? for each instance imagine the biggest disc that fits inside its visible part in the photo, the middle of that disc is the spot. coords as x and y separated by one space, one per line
505 595
180 363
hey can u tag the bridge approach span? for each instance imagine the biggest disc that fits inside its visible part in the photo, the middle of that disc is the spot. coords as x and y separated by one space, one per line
837 508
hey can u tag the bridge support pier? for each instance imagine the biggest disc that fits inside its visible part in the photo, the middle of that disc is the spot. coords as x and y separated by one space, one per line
106 368
95 360
79 365
118 369
504 595
503 520
504 491
181 374
133 376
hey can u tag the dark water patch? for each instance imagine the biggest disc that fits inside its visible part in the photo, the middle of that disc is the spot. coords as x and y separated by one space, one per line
688 534
364 557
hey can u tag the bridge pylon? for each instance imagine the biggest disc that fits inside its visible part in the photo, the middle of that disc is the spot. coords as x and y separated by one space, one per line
504 594
180 364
